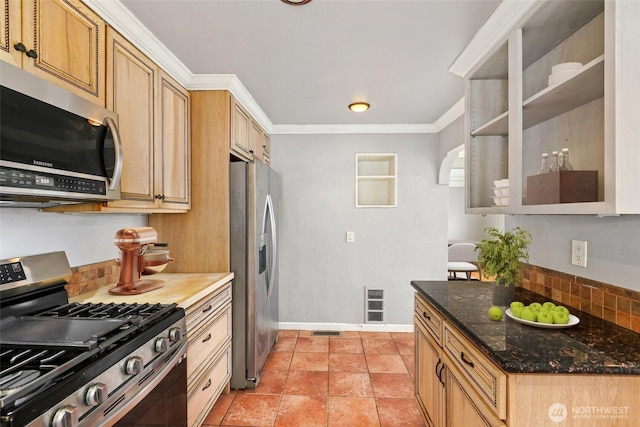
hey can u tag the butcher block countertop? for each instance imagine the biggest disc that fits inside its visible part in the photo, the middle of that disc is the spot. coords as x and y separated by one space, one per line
184 289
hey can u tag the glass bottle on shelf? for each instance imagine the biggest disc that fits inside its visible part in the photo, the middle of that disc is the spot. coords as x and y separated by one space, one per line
563 161
553 167
544 165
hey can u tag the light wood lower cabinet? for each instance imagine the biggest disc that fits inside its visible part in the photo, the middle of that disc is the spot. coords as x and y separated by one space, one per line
429 386
458 386
208 353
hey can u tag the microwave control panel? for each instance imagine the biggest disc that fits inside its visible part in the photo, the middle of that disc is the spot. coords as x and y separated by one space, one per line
17 178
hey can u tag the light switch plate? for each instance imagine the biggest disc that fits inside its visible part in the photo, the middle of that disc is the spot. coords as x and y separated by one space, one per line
351 236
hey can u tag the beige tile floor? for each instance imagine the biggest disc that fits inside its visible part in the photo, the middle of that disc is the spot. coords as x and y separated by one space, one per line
358 379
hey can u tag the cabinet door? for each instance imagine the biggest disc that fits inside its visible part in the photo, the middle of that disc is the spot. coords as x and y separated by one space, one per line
131 94
429 388
255 140
172 145
10 34
463 406
68 39
240 131
266 148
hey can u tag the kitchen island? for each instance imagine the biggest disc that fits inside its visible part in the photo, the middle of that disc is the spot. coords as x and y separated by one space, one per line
472 369
206 298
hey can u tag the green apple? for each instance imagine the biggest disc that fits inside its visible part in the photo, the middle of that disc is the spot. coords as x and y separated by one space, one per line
528 314
535 306
560 317
495 313
517 311
515 304
563 309
548 304
545 317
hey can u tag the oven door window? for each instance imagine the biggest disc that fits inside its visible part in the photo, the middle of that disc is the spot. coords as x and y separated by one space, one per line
165 405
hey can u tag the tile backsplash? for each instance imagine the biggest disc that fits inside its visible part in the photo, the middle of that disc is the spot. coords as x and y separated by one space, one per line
90 277
609 302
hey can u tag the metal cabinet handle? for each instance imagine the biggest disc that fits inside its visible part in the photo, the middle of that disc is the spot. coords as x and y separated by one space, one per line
207 386
465 360
32 54
439 374
207 309
425 315
20 47
207 338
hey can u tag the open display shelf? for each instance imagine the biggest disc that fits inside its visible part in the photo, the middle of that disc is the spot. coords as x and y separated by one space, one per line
376 180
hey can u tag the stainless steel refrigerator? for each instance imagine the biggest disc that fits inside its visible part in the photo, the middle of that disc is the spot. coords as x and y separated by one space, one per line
254 189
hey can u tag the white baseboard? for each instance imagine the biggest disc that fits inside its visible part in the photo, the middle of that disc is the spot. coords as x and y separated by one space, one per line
361 327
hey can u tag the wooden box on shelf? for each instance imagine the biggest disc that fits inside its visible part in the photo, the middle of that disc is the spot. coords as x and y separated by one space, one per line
562 187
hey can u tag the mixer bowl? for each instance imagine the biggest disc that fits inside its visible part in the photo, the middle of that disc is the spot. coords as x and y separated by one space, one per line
155 260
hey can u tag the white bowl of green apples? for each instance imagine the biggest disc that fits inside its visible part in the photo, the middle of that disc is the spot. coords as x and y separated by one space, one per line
546 315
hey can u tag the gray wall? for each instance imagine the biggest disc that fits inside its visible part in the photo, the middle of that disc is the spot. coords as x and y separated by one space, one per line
613 245
322 278
464 226
85 238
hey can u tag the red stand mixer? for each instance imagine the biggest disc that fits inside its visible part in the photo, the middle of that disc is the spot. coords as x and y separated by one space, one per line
137 259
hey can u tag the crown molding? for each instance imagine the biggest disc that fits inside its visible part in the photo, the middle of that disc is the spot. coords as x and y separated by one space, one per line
122 20
352 128
508 15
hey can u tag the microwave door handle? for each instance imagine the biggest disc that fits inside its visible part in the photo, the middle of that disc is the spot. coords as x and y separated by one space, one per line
114 181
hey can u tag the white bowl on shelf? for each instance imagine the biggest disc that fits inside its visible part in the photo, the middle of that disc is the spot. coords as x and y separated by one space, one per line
501 182
566 66
500 191
562 72
501 201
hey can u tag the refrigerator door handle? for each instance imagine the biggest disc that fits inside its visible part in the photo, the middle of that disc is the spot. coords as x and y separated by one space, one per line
268 210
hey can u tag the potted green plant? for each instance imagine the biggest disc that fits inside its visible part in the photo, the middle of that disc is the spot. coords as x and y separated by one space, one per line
500 254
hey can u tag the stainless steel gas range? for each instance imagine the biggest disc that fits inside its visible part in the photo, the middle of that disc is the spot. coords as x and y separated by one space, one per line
71 364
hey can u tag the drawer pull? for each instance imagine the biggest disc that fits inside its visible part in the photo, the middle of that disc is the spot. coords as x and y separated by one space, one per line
207 338
465 360
207 309
207 386
425 315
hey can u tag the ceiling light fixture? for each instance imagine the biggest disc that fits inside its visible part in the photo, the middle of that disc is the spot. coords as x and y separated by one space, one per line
359 107
295 2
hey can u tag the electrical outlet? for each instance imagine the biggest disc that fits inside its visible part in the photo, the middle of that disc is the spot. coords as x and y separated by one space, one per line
579 253
351 236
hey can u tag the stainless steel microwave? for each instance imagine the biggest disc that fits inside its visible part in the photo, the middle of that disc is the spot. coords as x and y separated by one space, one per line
55 145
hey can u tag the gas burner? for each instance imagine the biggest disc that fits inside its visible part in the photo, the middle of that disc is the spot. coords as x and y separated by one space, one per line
14 382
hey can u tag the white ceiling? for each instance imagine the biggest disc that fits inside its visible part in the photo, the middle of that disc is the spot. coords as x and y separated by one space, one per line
304 64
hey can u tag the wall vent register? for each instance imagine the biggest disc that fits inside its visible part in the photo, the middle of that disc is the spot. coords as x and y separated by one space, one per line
374 309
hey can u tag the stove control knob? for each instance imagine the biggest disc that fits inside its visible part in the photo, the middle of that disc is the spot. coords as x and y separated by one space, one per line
175 334
67 416
96 394
134 365
161 345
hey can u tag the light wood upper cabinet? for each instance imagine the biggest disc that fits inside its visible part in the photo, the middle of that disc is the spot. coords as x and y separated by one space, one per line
61 41
153 112
172 146
248 140
240 132
132 94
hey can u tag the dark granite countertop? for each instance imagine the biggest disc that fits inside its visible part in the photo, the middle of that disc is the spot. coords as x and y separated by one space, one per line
593 346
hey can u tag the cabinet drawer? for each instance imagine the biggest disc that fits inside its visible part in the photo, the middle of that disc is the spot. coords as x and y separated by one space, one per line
208 388
208 340
486 378
203 312
429 317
